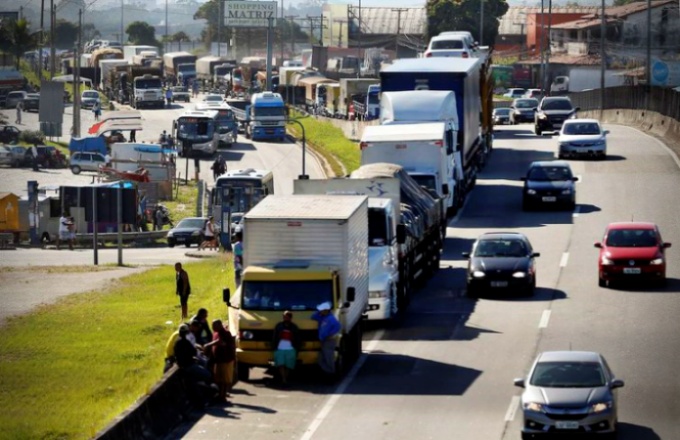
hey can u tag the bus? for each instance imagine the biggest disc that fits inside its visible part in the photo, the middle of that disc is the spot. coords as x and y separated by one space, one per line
242 189
227 125
197 132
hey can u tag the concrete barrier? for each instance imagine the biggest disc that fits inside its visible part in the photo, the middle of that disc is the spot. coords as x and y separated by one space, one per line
154 415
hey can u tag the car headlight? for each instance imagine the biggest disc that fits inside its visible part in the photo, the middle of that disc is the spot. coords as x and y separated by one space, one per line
531 191
378 294
606 261
478 274
600 143
245 334
542 116
519 274
656 261
566 191
170 234
533 406
564 144
600 407
196 233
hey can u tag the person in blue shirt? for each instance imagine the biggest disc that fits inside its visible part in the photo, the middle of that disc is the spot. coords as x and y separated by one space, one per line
238 258
329 327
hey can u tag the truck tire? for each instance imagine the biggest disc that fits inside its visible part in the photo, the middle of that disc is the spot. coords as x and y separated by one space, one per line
242 372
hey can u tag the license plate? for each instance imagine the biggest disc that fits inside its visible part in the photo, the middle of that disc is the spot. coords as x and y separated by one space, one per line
549 199
499 284
566 425
179 239
632 270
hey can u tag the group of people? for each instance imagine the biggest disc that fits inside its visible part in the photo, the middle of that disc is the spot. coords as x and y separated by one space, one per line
206 354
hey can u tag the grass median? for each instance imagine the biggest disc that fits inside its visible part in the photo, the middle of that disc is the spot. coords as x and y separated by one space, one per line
329 141
70 368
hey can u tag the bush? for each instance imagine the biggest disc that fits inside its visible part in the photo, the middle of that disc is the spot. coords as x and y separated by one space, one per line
32 136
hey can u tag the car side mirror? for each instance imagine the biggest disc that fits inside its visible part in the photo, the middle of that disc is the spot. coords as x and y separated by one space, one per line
575 179
536 254
519 383
465 255
226 294
616 383
401 233
666 245
606 132
351 294
598 245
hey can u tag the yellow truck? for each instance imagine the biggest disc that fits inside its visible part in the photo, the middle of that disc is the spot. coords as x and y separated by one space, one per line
301 251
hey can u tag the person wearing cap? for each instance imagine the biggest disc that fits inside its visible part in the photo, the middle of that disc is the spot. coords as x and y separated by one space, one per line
329 327
286 344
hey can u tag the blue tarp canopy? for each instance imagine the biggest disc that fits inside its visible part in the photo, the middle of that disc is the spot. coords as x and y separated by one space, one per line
96 144
153 149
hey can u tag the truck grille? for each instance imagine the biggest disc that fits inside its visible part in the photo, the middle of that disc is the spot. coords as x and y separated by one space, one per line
268 335
270 122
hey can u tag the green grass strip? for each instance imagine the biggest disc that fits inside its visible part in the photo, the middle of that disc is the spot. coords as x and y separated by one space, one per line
69 369
330 142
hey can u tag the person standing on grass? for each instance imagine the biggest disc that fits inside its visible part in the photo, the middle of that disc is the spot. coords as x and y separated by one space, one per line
238 258
223 349
183 288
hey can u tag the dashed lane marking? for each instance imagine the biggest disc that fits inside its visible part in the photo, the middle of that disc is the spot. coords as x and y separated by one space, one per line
545 319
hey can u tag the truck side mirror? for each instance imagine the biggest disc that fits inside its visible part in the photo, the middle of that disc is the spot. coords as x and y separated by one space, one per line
401 233
226 294
351 294
445 189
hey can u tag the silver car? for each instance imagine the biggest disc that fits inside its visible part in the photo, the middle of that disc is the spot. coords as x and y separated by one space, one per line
86 161
569 392
582 137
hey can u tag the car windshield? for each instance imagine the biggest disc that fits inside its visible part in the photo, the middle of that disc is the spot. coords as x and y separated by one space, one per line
448 44
500 248
191 223
179 89
526 103
549 174
286 295
216 98
557 104
583 128
632 238
502 111
568 375
90 94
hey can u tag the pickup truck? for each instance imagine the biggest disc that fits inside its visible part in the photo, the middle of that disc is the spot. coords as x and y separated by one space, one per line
180 93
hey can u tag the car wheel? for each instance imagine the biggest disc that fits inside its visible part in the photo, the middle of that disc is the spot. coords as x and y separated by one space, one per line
187 244
571 206
661 282
75 169
538 130
170 244
531 290
602 282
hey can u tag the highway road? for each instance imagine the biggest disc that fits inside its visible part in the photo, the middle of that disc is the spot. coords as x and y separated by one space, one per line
446 370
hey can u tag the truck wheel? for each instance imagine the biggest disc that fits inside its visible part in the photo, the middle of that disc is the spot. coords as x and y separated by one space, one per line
243 372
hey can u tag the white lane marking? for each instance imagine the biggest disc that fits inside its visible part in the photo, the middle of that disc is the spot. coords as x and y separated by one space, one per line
512 409
545 318
330 403
576 212
564 260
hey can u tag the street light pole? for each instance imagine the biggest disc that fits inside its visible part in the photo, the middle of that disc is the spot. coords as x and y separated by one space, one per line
304 175
481 23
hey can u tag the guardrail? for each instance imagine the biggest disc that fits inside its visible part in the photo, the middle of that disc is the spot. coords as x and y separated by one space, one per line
662 100
127 236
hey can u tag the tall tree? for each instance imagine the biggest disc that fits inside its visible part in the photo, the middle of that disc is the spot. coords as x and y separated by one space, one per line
464 15
16 38
141 33
65 34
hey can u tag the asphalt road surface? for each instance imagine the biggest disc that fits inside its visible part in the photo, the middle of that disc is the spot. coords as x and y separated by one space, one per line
446 371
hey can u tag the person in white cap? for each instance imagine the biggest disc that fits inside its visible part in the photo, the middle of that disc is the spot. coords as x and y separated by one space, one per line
329 327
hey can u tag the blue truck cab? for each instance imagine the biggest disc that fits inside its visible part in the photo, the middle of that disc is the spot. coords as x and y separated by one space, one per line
267 117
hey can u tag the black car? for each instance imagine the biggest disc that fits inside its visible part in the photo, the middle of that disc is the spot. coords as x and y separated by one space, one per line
187 232
549 183
501 262
9 134
552 112
32 102
523 110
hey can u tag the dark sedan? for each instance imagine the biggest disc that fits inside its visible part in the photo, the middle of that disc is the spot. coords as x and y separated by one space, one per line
549 183
187 232
501 262
523 110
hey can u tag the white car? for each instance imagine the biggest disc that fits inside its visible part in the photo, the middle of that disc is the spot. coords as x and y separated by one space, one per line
449 46
582 137
213 99
515 93
236 223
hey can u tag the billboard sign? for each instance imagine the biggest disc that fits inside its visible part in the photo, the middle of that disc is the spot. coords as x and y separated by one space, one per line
250 13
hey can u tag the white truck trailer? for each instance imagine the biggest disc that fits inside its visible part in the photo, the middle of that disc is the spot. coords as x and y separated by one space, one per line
301 251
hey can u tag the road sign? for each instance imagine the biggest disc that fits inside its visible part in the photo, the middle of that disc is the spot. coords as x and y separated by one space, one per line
249 13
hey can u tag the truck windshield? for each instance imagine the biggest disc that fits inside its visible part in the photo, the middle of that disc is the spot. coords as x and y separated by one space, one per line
428 181
195 129
377 227
269 111
148 83
225 120
186 68
286 295
374 98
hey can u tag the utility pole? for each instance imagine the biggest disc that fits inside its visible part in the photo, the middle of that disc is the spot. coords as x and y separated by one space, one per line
76 79
122 21
219 27
341 21
541 48
603 56
649 46
166 24
42 40
281 26
396 41
21 12
546 71
481 22
53 52
359 39
291 20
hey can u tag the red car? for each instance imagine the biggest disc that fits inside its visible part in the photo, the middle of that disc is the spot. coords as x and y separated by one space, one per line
630 251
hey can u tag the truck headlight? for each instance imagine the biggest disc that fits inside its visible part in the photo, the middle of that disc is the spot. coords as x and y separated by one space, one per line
247 335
